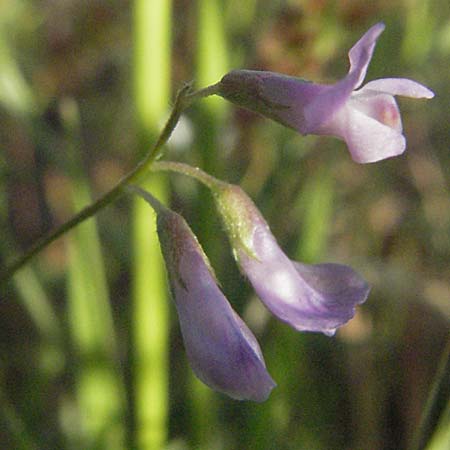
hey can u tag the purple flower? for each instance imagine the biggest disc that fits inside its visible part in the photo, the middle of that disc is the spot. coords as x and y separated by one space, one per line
318 297
221 349
368 119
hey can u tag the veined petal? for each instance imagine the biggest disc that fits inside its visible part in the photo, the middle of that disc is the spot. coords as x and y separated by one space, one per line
325 105
399 86
379 106
309 298
367 139
361 53
221 349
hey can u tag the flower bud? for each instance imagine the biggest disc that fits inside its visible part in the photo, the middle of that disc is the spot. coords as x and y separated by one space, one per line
221 349
319 297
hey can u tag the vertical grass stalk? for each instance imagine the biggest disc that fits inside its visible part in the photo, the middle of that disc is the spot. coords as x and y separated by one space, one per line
212 64
98 384
150 322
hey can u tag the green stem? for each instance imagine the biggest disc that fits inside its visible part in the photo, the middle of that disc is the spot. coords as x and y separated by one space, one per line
157 206
183 101
193 172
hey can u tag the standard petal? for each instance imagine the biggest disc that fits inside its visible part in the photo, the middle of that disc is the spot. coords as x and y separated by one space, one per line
399 86
325 105
367 139
221 349
361 53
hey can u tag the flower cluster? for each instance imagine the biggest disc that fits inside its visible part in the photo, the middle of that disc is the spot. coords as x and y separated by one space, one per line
222 350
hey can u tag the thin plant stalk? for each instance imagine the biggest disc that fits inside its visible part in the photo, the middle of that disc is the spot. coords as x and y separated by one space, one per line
211 64
184 99
149 316
99 390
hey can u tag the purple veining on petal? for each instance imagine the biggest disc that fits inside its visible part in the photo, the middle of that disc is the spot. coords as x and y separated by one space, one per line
221 349
307 297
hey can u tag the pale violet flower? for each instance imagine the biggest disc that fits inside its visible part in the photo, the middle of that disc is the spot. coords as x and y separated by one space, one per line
367 119
221 349
319 297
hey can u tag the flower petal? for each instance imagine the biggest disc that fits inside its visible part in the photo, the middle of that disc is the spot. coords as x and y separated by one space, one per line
367 139
221 349
338 287
399 86
361 53
325 105
292 95
379 106
280 97
309 298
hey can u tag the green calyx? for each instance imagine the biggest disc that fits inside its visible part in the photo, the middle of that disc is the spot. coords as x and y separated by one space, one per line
237 215
176 238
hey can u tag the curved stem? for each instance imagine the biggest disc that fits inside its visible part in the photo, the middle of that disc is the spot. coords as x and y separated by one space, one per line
183 100
194 172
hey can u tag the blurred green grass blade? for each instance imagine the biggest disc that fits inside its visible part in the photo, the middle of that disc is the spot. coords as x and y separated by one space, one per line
435 422
315 209
12 425
211 65
99 393
152 50
150 325
36 302
99 389
441 436
419 31
212 53
15 94
203 427
150 321
37 305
